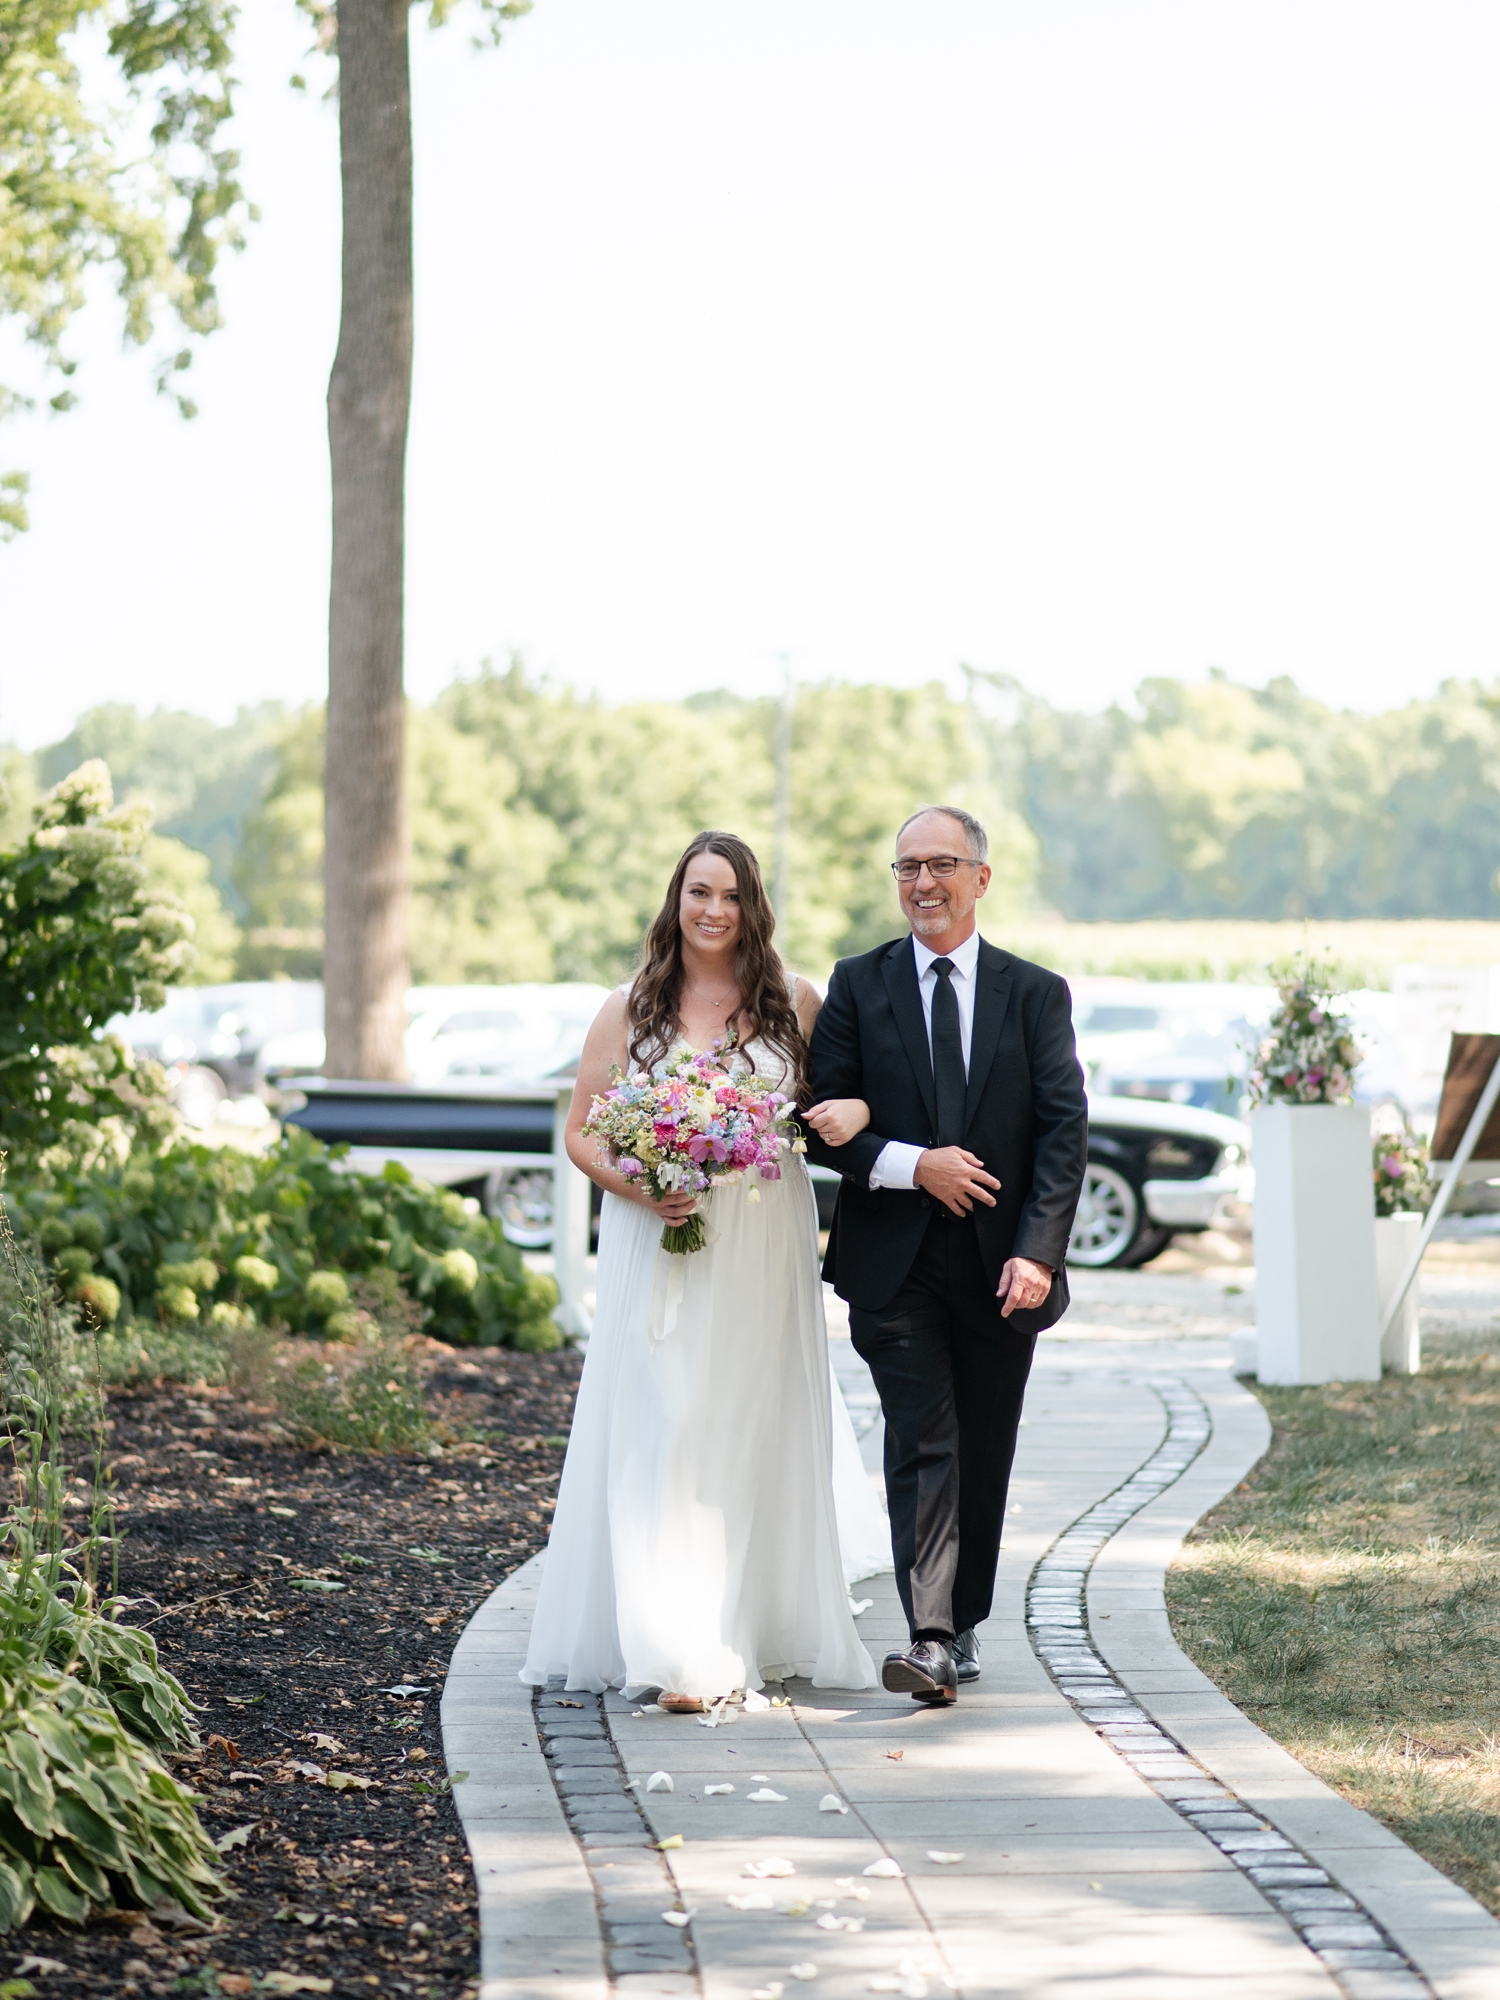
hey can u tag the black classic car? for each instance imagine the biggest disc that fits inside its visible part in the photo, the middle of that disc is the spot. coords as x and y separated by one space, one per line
1154 1169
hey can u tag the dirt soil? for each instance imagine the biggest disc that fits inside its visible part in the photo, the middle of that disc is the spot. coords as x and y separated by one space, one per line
348 1861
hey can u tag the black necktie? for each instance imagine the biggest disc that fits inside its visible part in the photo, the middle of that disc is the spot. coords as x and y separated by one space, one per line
947 1056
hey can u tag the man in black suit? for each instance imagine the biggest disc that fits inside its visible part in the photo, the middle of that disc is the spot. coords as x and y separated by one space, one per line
953 1220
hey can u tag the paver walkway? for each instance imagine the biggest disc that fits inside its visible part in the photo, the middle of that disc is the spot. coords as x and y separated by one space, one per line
1093 1820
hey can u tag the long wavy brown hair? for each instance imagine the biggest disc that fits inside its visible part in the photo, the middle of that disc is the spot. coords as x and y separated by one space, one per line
766 1009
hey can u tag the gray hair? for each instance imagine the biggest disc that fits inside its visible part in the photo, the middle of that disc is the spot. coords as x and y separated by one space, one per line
979 840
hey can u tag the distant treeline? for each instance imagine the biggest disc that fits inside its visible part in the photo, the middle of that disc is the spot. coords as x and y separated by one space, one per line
544 823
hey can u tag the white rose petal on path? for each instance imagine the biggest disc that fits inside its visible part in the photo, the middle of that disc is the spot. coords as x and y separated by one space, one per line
760 1777
886 1983
943 1860
755 1700
829 1922
831 1802
774 1867
754 1899
886 1868
803 1971
766 1797
772 1992
659 1782
716 1791
678 1919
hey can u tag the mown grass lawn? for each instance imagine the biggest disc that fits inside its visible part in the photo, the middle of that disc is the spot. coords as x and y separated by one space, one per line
1347 1596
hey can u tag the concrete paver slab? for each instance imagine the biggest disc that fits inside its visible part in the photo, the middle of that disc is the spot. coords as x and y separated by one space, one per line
1065 1779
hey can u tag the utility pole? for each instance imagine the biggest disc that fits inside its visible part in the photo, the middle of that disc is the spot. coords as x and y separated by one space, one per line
783 791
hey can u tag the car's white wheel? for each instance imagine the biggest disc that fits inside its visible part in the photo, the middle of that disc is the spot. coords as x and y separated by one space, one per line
520 1198
1109 1214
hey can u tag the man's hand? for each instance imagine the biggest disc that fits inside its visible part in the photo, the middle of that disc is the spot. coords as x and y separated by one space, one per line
1023 1284
957 1178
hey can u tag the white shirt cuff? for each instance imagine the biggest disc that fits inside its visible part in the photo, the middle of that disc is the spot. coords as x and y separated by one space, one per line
896 1166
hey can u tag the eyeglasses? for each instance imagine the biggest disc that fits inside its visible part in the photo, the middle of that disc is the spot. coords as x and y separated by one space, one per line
938 866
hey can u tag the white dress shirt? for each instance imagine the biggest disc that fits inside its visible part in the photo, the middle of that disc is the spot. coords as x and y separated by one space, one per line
896 1166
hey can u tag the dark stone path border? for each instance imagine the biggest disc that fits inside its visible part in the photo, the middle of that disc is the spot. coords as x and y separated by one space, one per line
632 1882
1346 1939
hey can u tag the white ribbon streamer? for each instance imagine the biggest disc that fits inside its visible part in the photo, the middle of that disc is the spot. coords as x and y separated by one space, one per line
669 1285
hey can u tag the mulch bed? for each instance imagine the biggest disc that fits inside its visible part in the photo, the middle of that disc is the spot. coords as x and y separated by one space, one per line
225 1529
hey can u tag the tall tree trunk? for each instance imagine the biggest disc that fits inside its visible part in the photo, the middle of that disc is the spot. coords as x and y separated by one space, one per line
366 873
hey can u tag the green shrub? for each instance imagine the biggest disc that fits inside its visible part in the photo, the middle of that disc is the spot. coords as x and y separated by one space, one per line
89 1817
369 1403
326 1292
83 936
276 1236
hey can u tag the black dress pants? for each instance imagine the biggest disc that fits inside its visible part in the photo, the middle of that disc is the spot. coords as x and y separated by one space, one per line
952 1375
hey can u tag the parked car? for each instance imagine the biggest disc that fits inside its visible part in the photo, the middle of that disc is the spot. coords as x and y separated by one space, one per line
475 1135
1155 1170
213 1041
513 1034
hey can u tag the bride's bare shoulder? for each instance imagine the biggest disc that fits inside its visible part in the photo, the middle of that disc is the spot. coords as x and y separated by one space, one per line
606 1038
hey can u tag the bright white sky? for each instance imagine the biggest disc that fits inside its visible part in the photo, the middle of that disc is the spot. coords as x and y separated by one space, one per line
1085 339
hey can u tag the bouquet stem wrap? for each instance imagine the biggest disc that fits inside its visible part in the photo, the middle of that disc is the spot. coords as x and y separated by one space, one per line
681 1239
706 1120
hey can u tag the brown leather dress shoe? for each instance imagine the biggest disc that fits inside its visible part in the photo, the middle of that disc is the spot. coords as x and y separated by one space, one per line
924 1671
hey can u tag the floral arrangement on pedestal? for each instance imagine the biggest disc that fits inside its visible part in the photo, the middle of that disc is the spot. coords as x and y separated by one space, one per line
1399 1168
1309 1054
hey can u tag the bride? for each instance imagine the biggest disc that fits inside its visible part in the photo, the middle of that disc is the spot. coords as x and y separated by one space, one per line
696 1547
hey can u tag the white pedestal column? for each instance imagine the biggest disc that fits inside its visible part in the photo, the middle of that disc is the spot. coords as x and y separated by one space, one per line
1315 1293
1395 1240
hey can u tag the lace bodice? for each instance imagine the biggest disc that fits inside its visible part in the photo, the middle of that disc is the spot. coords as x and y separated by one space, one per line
757 1057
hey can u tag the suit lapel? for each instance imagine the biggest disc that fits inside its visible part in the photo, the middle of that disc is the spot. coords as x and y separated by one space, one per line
900 970
992 986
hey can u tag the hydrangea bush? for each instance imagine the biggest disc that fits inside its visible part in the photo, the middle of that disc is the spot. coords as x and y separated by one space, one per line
217 1238
1309 1055
83 936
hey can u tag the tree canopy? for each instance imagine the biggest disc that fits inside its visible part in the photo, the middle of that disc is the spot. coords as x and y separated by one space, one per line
124 173
544 822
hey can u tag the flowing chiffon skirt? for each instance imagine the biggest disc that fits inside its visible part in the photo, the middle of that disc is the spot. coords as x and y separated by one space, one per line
696 1543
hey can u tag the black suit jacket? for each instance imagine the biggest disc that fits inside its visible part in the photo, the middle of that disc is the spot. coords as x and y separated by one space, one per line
1025 1117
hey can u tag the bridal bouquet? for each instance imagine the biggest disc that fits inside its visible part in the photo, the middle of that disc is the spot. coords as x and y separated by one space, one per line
693 1125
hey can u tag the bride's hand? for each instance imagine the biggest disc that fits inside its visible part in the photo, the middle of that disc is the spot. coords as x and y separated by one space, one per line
673 1208
837 1119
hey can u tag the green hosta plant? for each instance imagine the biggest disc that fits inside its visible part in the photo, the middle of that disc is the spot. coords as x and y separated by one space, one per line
1309 1055
89 1817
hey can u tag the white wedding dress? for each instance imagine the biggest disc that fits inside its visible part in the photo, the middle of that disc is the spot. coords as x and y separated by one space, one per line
713 1506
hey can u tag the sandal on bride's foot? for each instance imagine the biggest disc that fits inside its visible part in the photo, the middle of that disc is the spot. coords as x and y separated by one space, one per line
681 1704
